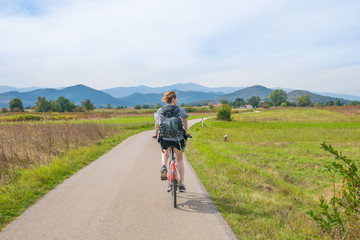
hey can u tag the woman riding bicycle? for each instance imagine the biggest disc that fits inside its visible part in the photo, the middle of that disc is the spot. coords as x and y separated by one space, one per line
177 142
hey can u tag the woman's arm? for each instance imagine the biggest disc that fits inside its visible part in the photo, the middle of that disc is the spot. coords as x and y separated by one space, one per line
185 122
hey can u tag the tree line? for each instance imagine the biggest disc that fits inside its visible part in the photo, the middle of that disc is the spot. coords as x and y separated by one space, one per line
61 104
278 97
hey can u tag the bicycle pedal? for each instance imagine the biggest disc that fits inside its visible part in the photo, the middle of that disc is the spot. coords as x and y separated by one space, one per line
163 178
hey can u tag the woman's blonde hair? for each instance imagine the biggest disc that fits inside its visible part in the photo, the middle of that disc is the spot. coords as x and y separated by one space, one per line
169 96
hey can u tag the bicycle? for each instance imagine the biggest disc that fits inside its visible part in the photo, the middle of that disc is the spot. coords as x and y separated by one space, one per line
172 177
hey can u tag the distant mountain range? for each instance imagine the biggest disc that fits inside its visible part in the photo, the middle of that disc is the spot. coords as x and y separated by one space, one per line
9 88
188 94
126 91
79 93
75 93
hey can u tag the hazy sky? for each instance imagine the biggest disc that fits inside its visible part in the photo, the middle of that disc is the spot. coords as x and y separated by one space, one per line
298 44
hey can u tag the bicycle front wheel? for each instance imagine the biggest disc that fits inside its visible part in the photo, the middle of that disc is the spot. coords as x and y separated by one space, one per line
174 188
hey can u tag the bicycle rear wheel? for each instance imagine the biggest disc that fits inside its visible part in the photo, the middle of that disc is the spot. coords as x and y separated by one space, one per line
174 188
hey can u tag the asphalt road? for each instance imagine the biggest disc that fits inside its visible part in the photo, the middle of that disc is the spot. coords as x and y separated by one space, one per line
120 196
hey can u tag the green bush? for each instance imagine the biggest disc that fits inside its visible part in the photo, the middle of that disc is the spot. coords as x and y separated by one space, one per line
189 109
224 113
339 217
25 117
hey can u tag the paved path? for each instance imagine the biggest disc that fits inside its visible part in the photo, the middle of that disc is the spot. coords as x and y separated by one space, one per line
120 196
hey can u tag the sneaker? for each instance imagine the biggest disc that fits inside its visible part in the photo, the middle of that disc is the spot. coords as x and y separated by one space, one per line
182 188
163 172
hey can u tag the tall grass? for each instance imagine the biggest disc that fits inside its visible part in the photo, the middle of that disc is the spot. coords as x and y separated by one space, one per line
270 171
25 145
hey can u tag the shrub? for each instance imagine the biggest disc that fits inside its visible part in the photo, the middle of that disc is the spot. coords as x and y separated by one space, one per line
4 110
283 104
15 109
224 113
265 105
78 109
25 117
190 109
339 217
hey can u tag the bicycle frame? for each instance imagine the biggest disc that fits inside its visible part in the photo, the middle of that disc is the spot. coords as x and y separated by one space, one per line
172 179
172 166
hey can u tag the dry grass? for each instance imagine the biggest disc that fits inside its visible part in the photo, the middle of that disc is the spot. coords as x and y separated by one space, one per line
347 110
29 145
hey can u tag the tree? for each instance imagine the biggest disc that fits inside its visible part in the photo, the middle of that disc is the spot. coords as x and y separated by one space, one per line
355 103
224 101
330 103
254 101
238 102
277 97
64 105
42 105
304 101
159 106
137 107
339 103
4 110
145 106
88 105
16 103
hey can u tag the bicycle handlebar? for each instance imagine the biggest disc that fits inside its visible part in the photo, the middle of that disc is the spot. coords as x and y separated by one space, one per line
156 136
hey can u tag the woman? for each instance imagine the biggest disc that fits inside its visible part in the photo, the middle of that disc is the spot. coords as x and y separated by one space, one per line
170 98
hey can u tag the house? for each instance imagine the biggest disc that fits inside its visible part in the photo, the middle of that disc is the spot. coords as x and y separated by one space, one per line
246 106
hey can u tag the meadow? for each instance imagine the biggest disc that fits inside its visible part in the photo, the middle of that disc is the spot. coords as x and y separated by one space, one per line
271 169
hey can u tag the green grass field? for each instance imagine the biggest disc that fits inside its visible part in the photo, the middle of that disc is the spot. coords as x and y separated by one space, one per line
271 170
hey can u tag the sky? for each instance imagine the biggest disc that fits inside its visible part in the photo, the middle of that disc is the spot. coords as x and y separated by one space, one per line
297 44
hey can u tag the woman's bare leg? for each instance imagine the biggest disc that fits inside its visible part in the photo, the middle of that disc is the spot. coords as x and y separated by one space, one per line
180 165
165 156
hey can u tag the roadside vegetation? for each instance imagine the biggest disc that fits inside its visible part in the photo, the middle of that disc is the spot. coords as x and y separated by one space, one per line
37 155
271 170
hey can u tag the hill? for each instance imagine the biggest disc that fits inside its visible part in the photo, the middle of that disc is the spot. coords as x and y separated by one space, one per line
246 93
315 98
79 93
75 93
155 98
4 89
126 91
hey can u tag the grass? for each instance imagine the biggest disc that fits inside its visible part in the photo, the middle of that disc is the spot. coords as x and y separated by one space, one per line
35 157
271 169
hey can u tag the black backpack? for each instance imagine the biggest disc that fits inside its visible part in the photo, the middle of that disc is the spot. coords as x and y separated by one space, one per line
171 125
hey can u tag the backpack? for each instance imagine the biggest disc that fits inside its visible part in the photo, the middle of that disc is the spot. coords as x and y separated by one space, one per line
171 125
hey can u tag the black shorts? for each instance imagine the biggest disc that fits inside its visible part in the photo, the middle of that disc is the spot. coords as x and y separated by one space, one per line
180 145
